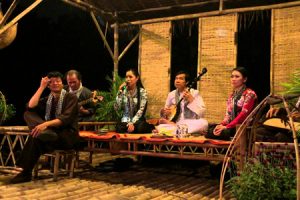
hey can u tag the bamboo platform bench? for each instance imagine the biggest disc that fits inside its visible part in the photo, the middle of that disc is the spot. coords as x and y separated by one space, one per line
193 148
13 137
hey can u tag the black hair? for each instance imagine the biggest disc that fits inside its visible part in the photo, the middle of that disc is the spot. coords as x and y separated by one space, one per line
73 71
138 86
136 73
242 70
187 75
55 74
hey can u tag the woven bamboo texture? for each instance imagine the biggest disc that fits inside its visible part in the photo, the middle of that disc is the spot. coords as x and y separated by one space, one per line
285 46
217 52
155 64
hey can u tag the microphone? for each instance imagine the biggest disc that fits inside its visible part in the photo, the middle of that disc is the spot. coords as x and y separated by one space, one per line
124 87
204 70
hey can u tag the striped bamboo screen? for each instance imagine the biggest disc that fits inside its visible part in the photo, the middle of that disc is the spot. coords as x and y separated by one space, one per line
217 52
155 64
285 46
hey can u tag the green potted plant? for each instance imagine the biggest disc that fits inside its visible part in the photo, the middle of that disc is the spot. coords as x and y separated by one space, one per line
105 110
7 111
268 176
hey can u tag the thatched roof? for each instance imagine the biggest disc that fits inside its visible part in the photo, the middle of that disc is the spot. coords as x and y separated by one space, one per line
125 11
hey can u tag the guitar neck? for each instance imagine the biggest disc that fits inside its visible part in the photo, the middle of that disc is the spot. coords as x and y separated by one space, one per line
81 103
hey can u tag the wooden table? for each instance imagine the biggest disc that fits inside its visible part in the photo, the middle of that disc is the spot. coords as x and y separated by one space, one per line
14 136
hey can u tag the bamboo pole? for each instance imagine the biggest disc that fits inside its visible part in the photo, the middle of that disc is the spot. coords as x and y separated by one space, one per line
3 116
199 49
129 45
140 50
215 13
236 138
8 12
101 34
272 86
18 17
221 5
116 47
86 6
295 144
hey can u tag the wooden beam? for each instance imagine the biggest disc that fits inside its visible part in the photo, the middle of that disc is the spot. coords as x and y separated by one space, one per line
101 34
8 12
129 45
214 13
76 5
170 7
18 17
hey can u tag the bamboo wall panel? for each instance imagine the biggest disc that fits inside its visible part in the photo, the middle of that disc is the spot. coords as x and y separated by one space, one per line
155 64
217 52
285 46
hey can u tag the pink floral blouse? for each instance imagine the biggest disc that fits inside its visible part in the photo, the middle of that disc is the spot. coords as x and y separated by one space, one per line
244 105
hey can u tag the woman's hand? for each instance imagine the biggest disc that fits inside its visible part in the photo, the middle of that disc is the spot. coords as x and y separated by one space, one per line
218 129
122 86
130 127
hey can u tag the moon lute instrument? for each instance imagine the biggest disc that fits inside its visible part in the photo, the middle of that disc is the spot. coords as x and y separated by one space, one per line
175 109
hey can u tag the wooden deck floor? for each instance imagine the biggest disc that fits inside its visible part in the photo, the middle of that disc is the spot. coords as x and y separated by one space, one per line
115 177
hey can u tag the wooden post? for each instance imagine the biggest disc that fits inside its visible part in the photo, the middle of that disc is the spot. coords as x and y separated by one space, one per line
116 47
272 85
221 5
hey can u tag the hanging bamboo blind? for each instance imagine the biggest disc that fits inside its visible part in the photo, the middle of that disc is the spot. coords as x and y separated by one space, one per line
155 59
285 46
217 52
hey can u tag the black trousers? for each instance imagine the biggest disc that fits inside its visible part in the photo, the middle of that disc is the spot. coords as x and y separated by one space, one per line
46 142
225 134
140 126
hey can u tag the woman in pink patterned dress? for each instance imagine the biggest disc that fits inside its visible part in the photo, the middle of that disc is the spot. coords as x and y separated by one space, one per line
239 105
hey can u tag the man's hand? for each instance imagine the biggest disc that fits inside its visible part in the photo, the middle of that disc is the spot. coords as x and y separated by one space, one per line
188 96
165 112
130 127
84 111
272 112
279 113
38 129
296 116
45 81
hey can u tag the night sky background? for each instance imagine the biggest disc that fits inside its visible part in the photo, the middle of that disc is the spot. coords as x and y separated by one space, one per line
56 36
